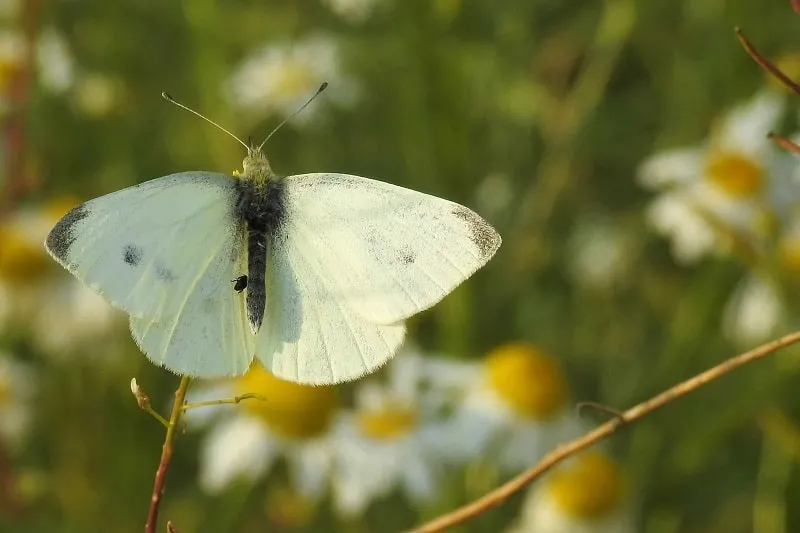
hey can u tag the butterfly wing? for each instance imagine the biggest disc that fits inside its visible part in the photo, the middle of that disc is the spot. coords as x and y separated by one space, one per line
165 251
309 334
210 336
390 252
353 258
142 246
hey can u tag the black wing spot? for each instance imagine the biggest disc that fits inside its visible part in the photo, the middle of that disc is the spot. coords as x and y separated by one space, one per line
132 254
61 237
407 256
240 283
483 235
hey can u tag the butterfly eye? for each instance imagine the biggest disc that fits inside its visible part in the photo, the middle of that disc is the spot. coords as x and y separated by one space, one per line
240 283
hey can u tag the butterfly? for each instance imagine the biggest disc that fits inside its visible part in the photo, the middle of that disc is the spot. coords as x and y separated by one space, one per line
312 274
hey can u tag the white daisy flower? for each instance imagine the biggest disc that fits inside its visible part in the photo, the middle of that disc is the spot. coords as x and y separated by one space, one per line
737 180
515 404
279 77
96 95
600 253
55 62
61 312
587 494
17 387
353 11
293 422
754 312
392 440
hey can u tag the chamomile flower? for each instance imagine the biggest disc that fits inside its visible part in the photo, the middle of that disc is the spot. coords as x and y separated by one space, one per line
587 494
61 313
754 311
17 387
294 422
514 404
280 76
392 440
730 189
353 11
600 253
56 67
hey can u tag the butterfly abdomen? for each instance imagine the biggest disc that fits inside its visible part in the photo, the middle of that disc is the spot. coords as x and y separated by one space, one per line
262 208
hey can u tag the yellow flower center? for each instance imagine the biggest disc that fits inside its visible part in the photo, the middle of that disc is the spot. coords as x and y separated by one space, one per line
292 410
528 379
591 487
387 424
735 174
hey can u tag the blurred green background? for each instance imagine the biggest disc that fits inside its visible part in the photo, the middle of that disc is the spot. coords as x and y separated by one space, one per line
536 114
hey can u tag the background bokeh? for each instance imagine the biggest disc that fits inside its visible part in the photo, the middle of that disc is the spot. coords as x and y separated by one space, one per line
542 116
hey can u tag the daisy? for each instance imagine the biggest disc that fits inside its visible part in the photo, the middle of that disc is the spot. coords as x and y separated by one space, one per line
353 11
600 253
294 422
279 77
60 312
727 191
56 67
514 404
754 312
392 440
584 495
16 394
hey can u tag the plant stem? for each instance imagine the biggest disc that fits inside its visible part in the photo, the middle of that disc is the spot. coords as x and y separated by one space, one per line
166 455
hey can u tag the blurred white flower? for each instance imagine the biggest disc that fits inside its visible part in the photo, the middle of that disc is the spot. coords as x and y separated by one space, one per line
586 494
514 405
599 252
96 94
36 294
392 440
55 63
293 422
353 11
72 316
279 77
754 312
17 387
737 180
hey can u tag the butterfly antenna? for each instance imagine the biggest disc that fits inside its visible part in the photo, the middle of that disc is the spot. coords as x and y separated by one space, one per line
290 117
171 100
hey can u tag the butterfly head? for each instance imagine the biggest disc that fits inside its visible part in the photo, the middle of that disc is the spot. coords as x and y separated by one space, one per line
255 166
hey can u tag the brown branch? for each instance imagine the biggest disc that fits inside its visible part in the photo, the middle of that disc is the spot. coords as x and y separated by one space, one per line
166 455
783 142
765 63
500 494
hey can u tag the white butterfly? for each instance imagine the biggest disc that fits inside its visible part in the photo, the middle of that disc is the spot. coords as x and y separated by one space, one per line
312 274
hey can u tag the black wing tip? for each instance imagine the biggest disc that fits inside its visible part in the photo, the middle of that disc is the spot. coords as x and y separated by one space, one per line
485 237
60 238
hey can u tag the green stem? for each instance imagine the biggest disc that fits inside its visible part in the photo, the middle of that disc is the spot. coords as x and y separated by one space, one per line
166 455
221 401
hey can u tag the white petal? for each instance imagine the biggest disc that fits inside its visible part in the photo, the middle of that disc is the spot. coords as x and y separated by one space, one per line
692 237
311 466
753 313
418 475
237 447
673 167
746 127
